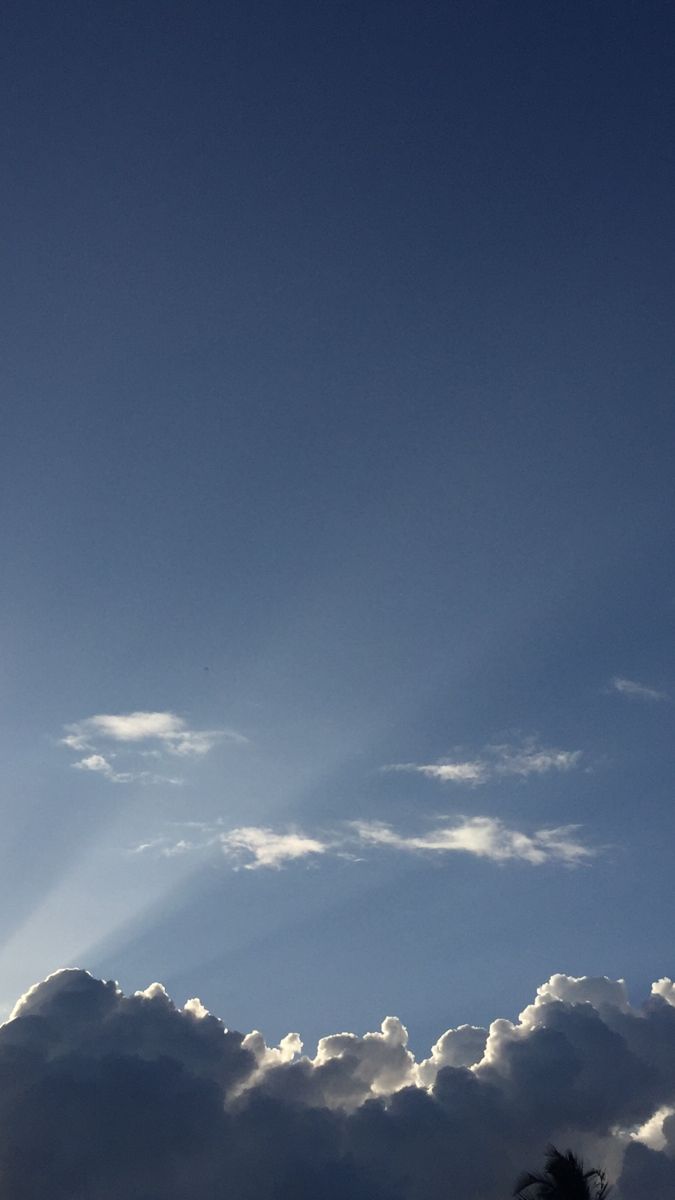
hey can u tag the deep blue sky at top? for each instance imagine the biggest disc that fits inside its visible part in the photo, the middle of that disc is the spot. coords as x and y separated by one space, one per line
337 358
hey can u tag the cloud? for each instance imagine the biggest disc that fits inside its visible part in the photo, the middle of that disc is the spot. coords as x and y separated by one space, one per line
132 1096
497 761
532 760
666 989
167 728
448 772
636 691
265 848
99 764
483 837
135 733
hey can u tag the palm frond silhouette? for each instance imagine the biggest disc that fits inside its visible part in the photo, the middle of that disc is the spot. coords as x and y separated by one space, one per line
563 1178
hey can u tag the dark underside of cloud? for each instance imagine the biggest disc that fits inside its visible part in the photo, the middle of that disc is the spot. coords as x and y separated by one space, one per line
106 1096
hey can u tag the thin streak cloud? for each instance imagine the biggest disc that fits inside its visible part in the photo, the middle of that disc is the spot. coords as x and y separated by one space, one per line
484 837
254 847
633 690
497 761
101 766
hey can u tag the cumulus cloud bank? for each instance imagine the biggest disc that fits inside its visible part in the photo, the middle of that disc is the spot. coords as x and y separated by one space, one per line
105 1095
142 735
483 837
497 761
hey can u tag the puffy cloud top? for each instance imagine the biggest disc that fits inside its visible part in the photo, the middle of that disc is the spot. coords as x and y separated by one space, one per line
104 1095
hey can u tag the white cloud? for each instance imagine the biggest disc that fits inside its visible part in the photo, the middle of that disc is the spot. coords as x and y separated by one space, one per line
135 733
383 1063
95 762
135 726
665 988
636 691
652 1132
447 772
495 761
101 766
267 848
598 990
484 837
167 728
532 760
460 1047
289 1048
164 847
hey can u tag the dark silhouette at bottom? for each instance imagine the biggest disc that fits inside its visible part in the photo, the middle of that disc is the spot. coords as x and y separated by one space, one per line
563 1178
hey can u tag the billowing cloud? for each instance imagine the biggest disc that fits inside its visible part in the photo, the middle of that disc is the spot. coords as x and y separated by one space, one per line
108 1095
140 735
636 691
483 837
665 988
497 761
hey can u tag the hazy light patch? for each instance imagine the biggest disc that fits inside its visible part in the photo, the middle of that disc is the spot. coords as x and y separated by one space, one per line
96 898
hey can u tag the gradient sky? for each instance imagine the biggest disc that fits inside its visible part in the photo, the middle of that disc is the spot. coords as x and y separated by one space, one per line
338 434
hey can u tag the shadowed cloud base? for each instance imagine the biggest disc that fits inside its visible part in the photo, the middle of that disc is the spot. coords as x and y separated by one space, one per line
107 1095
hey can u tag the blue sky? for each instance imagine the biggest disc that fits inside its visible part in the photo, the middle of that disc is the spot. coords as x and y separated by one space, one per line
338 435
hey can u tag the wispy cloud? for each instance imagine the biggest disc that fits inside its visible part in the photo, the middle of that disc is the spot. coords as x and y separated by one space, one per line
634 690
448 772
141 735
166 848
263 847
495 761
483 837
101 766
170 730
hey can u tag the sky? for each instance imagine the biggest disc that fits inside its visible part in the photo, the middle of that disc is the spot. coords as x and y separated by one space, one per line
338 583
